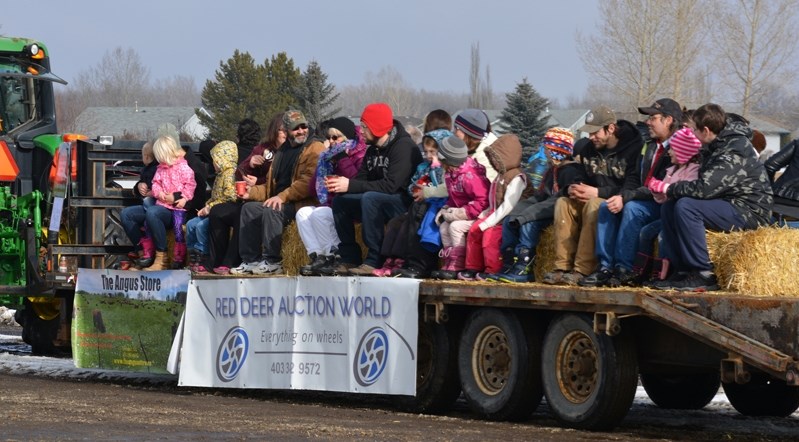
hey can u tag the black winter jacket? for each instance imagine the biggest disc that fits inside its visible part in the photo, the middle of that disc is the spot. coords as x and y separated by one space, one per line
388 169
607 169
787 185
729 170
542 205
634 187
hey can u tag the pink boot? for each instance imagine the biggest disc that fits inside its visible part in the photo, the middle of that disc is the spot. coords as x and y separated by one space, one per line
388 266
179 255
147 252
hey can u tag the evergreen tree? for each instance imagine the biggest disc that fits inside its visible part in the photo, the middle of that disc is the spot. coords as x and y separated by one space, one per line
524 115
243 89
316 96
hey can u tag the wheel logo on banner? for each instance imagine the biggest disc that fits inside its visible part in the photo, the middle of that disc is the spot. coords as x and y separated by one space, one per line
231 354
371 357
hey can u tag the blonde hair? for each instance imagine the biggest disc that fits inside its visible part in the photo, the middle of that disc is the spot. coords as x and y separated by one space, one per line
167 151
338 133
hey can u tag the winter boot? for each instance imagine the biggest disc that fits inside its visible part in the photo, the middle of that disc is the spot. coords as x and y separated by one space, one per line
642 268
159 262
508 260
660 269
200 266
179 255
457 262
147 252
522 268
317 261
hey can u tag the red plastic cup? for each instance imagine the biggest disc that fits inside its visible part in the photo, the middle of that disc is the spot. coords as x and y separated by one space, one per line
241 188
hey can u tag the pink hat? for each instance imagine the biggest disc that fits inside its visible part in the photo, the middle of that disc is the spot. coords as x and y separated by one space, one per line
685 145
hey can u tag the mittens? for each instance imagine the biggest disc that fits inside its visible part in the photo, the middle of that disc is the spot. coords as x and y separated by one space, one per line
455 214
658 186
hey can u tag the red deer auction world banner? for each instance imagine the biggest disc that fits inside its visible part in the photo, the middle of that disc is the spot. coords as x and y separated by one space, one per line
334 334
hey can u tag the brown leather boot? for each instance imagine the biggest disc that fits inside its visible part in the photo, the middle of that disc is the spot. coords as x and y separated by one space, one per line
159 263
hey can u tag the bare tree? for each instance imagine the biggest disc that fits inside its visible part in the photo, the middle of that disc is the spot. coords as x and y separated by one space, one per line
119 79
387 85
178 90
757 44
475 95
645 49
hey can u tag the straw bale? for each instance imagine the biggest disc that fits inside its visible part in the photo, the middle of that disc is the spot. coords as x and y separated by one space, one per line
545 253
294 253
760 262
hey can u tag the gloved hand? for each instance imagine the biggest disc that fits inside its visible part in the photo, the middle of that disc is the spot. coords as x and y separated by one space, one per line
440 215
658 186
455 214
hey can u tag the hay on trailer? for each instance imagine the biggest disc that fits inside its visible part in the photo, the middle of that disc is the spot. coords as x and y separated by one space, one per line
294 253
760 262
545 254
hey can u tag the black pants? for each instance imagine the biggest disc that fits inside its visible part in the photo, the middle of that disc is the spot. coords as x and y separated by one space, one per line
224 247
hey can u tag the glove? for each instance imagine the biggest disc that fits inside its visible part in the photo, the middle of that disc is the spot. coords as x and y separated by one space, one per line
440 215
455 214
658 186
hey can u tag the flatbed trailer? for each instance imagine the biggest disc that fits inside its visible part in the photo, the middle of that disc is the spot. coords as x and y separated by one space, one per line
506 346
584 349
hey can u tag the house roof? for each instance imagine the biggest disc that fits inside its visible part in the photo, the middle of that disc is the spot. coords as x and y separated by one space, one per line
570 118
117 121
766 126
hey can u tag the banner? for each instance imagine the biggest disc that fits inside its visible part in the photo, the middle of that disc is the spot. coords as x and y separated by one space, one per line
333 334
126 320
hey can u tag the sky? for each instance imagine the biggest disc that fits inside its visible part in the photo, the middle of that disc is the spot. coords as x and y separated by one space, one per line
428 42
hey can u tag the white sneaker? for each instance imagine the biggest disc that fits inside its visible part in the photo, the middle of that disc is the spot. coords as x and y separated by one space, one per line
245 268
265 267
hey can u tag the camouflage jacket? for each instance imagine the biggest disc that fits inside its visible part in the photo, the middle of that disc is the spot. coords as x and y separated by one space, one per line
729 170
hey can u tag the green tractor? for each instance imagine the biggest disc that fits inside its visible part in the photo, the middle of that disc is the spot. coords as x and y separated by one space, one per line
41 225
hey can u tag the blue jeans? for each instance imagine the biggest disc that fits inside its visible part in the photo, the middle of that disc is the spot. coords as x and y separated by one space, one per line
684 223
616 250
158 220
374 209
197 234
527 235
646 239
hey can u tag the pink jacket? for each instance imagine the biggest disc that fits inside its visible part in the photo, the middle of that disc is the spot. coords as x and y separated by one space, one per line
467 187
688 173
175 178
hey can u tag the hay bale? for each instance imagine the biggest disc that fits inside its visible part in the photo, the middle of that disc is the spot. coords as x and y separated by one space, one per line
760 262
294 253
545 254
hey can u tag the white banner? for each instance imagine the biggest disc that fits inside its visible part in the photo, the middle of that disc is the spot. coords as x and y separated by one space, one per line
335 334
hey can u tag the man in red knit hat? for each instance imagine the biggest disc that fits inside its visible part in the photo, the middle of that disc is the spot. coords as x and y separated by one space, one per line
376 194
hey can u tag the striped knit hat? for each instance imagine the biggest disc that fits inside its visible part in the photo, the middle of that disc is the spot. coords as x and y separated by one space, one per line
685 145
473 122
559 141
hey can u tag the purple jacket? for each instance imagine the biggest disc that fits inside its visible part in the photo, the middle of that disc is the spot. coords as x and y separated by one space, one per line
467 187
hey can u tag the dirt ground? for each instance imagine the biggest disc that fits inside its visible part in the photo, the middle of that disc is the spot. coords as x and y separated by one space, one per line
37 408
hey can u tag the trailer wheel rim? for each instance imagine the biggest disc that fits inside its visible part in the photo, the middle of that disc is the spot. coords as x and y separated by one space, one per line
491 360
577 366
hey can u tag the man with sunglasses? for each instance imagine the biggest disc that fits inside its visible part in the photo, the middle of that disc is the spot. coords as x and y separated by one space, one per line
273 205
377 193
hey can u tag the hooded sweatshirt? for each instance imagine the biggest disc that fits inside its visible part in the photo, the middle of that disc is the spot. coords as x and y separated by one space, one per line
729 170
224 156
607 168
388 168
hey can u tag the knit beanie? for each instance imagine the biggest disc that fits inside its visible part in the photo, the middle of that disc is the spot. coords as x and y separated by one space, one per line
378 118
472 122
452 151
345 126
559 141
685 145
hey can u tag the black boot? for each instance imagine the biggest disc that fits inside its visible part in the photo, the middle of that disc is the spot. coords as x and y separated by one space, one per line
522 268
317 262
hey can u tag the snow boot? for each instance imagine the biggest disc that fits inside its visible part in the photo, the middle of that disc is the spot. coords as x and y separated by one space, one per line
179 255
159 262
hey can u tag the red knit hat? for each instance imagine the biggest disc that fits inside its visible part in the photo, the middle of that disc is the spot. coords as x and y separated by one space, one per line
685 145
378 118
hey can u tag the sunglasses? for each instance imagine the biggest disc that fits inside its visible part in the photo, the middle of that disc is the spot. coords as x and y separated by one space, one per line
301 127
333 137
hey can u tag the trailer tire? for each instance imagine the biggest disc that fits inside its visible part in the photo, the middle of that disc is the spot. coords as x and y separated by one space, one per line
437 382
589 379
681 392
498 361
763 396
